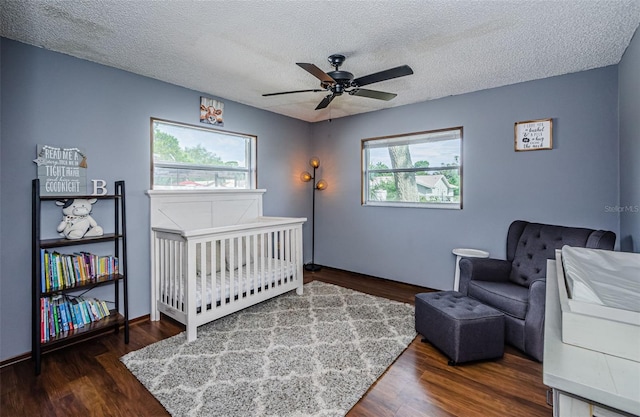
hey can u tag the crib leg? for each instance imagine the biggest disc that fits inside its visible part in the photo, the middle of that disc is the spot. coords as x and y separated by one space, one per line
299 290
155 313
191 333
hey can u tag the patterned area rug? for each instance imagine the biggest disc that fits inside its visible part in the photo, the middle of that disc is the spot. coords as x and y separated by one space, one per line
310 355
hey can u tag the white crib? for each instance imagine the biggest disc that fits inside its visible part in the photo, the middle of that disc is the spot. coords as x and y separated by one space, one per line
213 253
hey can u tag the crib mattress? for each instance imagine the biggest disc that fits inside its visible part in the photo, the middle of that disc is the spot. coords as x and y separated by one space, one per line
245 279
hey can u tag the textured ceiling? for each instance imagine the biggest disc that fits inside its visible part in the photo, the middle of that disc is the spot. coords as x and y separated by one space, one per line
239 50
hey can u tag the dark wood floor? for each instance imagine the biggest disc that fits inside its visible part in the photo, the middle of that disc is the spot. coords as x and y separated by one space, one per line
88 379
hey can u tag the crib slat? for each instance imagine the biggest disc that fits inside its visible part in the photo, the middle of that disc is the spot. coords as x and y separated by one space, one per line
170 262
232 275
175 272
169 272
180 273
274 237
179 276
297 267
254 264
223 272
237 289
277 241
284 241
263 258
200 280
210 277
287 252
270 244
239 267
292 249
246 268
285 256
176 258
165 271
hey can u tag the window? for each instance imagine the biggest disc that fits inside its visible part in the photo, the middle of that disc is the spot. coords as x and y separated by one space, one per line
413 170
193 157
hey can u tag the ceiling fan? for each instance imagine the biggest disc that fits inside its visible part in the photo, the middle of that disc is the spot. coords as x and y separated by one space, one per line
338 82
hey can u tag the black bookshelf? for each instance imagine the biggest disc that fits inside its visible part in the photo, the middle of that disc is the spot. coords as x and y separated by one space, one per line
115 320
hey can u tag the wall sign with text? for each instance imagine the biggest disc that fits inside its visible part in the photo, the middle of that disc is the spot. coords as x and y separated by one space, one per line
533 135
61 170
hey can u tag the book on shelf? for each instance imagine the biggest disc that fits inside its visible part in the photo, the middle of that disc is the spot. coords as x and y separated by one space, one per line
43 275
56 320
62 314
83 312
61 271
77 313
93 308
72 317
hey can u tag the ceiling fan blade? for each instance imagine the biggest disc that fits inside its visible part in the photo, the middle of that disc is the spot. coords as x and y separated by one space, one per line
316 72
380 95
291 92
396 72
325 102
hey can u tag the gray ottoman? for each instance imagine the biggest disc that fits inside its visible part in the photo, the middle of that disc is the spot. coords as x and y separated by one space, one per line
461 327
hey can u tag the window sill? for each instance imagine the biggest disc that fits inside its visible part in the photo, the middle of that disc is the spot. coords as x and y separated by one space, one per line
446 206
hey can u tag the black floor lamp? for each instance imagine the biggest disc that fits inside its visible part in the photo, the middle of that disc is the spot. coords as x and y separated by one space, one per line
319 185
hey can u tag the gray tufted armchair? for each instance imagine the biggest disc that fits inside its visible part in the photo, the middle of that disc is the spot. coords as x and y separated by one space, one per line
516 286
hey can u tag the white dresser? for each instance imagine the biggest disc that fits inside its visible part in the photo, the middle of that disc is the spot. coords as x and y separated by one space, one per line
585 382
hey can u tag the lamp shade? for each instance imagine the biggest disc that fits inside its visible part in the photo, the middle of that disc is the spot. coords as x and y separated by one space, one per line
321 185
305 177
314 162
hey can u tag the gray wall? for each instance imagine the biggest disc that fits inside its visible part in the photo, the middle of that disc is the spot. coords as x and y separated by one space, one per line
55 99
50 98
569 185
629 87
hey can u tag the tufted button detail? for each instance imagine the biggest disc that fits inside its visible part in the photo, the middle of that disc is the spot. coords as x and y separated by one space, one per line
529 255
538 270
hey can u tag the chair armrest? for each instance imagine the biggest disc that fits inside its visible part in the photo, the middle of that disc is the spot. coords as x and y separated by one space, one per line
482 269
534 320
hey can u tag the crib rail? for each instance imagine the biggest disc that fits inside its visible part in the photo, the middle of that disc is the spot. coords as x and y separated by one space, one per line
203 275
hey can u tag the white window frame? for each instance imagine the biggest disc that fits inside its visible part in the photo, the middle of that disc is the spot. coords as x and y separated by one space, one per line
250 156
454 133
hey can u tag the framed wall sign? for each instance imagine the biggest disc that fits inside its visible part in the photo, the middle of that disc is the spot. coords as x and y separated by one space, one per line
533 135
